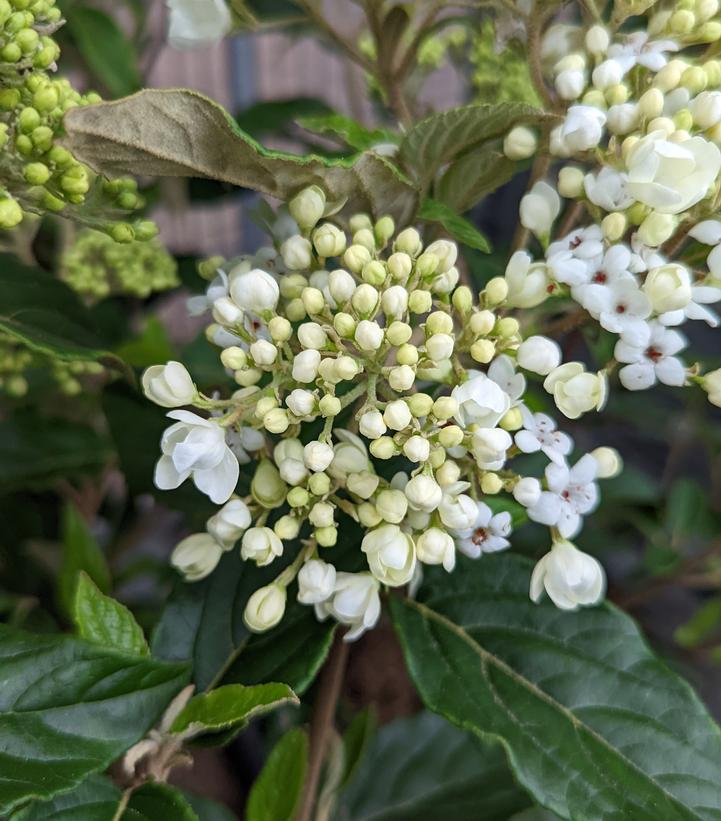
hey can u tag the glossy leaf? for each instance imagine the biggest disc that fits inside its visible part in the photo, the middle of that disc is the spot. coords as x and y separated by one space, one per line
356 740
180 133
595 726
423 768
81 552
276 793
96 799
459 228
157 802
351 132
105 621
231 705
69 708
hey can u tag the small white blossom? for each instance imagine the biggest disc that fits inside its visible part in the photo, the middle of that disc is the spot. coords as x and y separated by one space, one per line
654 361
572 493
575 390
305 366
457 510
391 554
318 456
570 577
316 581
169 386
423 493
436 546
255 291
480 401
261 545
196 556
265 608
539 433
539 208
487 534
620 307
355 602
229 523
583 127
489 447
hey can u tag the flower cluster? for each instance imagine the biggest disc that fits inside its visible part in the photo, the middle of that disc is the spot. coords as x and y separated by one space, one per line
39 175
373 387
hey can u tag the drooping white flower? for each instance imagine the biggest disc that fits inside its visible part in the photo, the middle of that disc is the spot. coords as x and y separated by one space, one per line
656 360
229 523
583 127
196 447
436 546
490 446
261 545
670 177
576 390
316 581
194 23
480 401
539 433
571 577
487 534
265 608
423 493
572 493
621 308
539 208
528 282
169 386
539 354
355 602
457 510
255 291
391 554
196 556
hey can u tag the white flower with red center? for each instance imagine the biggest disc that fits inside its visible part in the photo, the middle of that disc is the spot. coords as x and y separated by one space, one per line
572 493
612 267
539 433
638 49
584 243
487 534
620 307
653 361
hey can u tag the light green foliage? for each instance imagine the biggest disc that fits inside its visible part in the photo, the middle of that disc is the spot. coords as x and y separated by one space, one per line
96 266
500 75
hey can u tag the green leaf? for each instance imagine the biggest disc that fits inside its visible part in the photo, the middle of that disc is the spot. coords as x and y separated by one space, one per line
45 314
109 54
353 133
440 138
473 176
69 708
155 802
105 621
595 726
36 451
458 227
277 790
96 799
422 769
355 742
273 117
179 133
149 347
208 810
231 705
203 622
81 552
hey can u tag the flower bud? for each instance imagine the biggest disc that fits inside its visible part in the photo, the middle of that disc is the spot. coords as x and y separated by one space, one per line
365 299
711 383
448 473
316 581
341 285
483 351
570 84
321 514
482 323
169 386
368 515
291 286
408 242
329 241
301 403
360 221
462 300
344 324
439 347
297 253
392 505
446 253
317 456
196 556
491 484
570 182
575 390
305 366
400 266
263 352
261 545
307 207
226 312
571 578
401 378
363 484
265 405
439 322
520 143
420 302
656 228
391 554
298 497
265 608
445 407
507 327
539 355
383 448
496 291
427 265
280 329
313 301
398 333
527 491
597 40
614 226
668 287
374 273
383 230
417 449
512 419
423 493
276 421
451 436
329 406
356 257
406 354
539 208
368 335
397 415
420 404
312 336
295 310
287 527
371 424
364 237
394 301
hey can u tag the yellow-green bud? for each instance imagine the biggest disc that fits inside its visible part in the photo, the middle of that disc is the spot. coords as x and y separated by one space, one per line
682 21
450 436
356 257
346 368
234 358
11 213
298 497
280 329
344 324
360 221
491 484
420 302
287 527
295 310
383 447
45 99
374 273
445 407
28 119
420 404
37 173
383 230
365 239
694 79
364 299
570 182
291 285
264 405
400 266
307 207
267 487
462 300
614 226
483 350
399 333
313 300
507 327
513 420
326 536
496 291
9 99
437 458
276 421
329 241
122 232
408 242
407 355
319 484
427 264
617 94
368 515
329 405
439 323
482 323
650 104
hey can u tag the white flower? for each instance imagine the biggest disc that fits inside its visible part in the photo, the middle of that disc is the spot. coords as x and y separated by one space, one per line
350 455
566 267
487 534
297 253
355 602
318 456
571 577
540 433
457 510
439 347
608 189
368 335
503 372
169 386
446 252
583 127
301 403
706 109
417 449
480 401
570 83
371 424
261 545
575 390
305 366
255 291
401 378
606 74
637 49
539 354
668 287
435 546
196 556
622 118
196 23
520 143
423 493
621 308
656 360
489 447
265 608
539 208
243 440
670 177
572 493
195 447
584 243
229 523
701 295
316 581
528 284
527 491
391 554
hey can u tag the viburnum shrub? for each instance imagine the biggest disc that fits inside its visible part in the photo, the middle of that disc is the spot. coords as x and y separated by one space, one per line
379 415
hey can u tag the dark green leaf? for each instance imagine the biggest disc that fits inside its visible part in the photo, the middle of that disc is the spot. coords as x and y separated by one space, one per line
179 133
149 347
36 451
81 552
355 742
45 314
273 117
231 705
423 769
96 799
594 724
353 133
208 810
472 176
108 52
459 228
105 621
69 708
277 790
158 802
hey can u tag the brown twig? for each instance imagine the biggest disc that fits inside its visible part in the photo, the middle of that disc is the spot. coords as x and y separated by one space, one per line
672 247
329 687
334 35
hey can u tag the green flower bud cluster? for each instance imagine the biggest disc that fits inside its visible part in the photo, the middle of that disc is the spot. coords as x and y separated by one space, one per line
96 266
499 77
14 360
40 176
